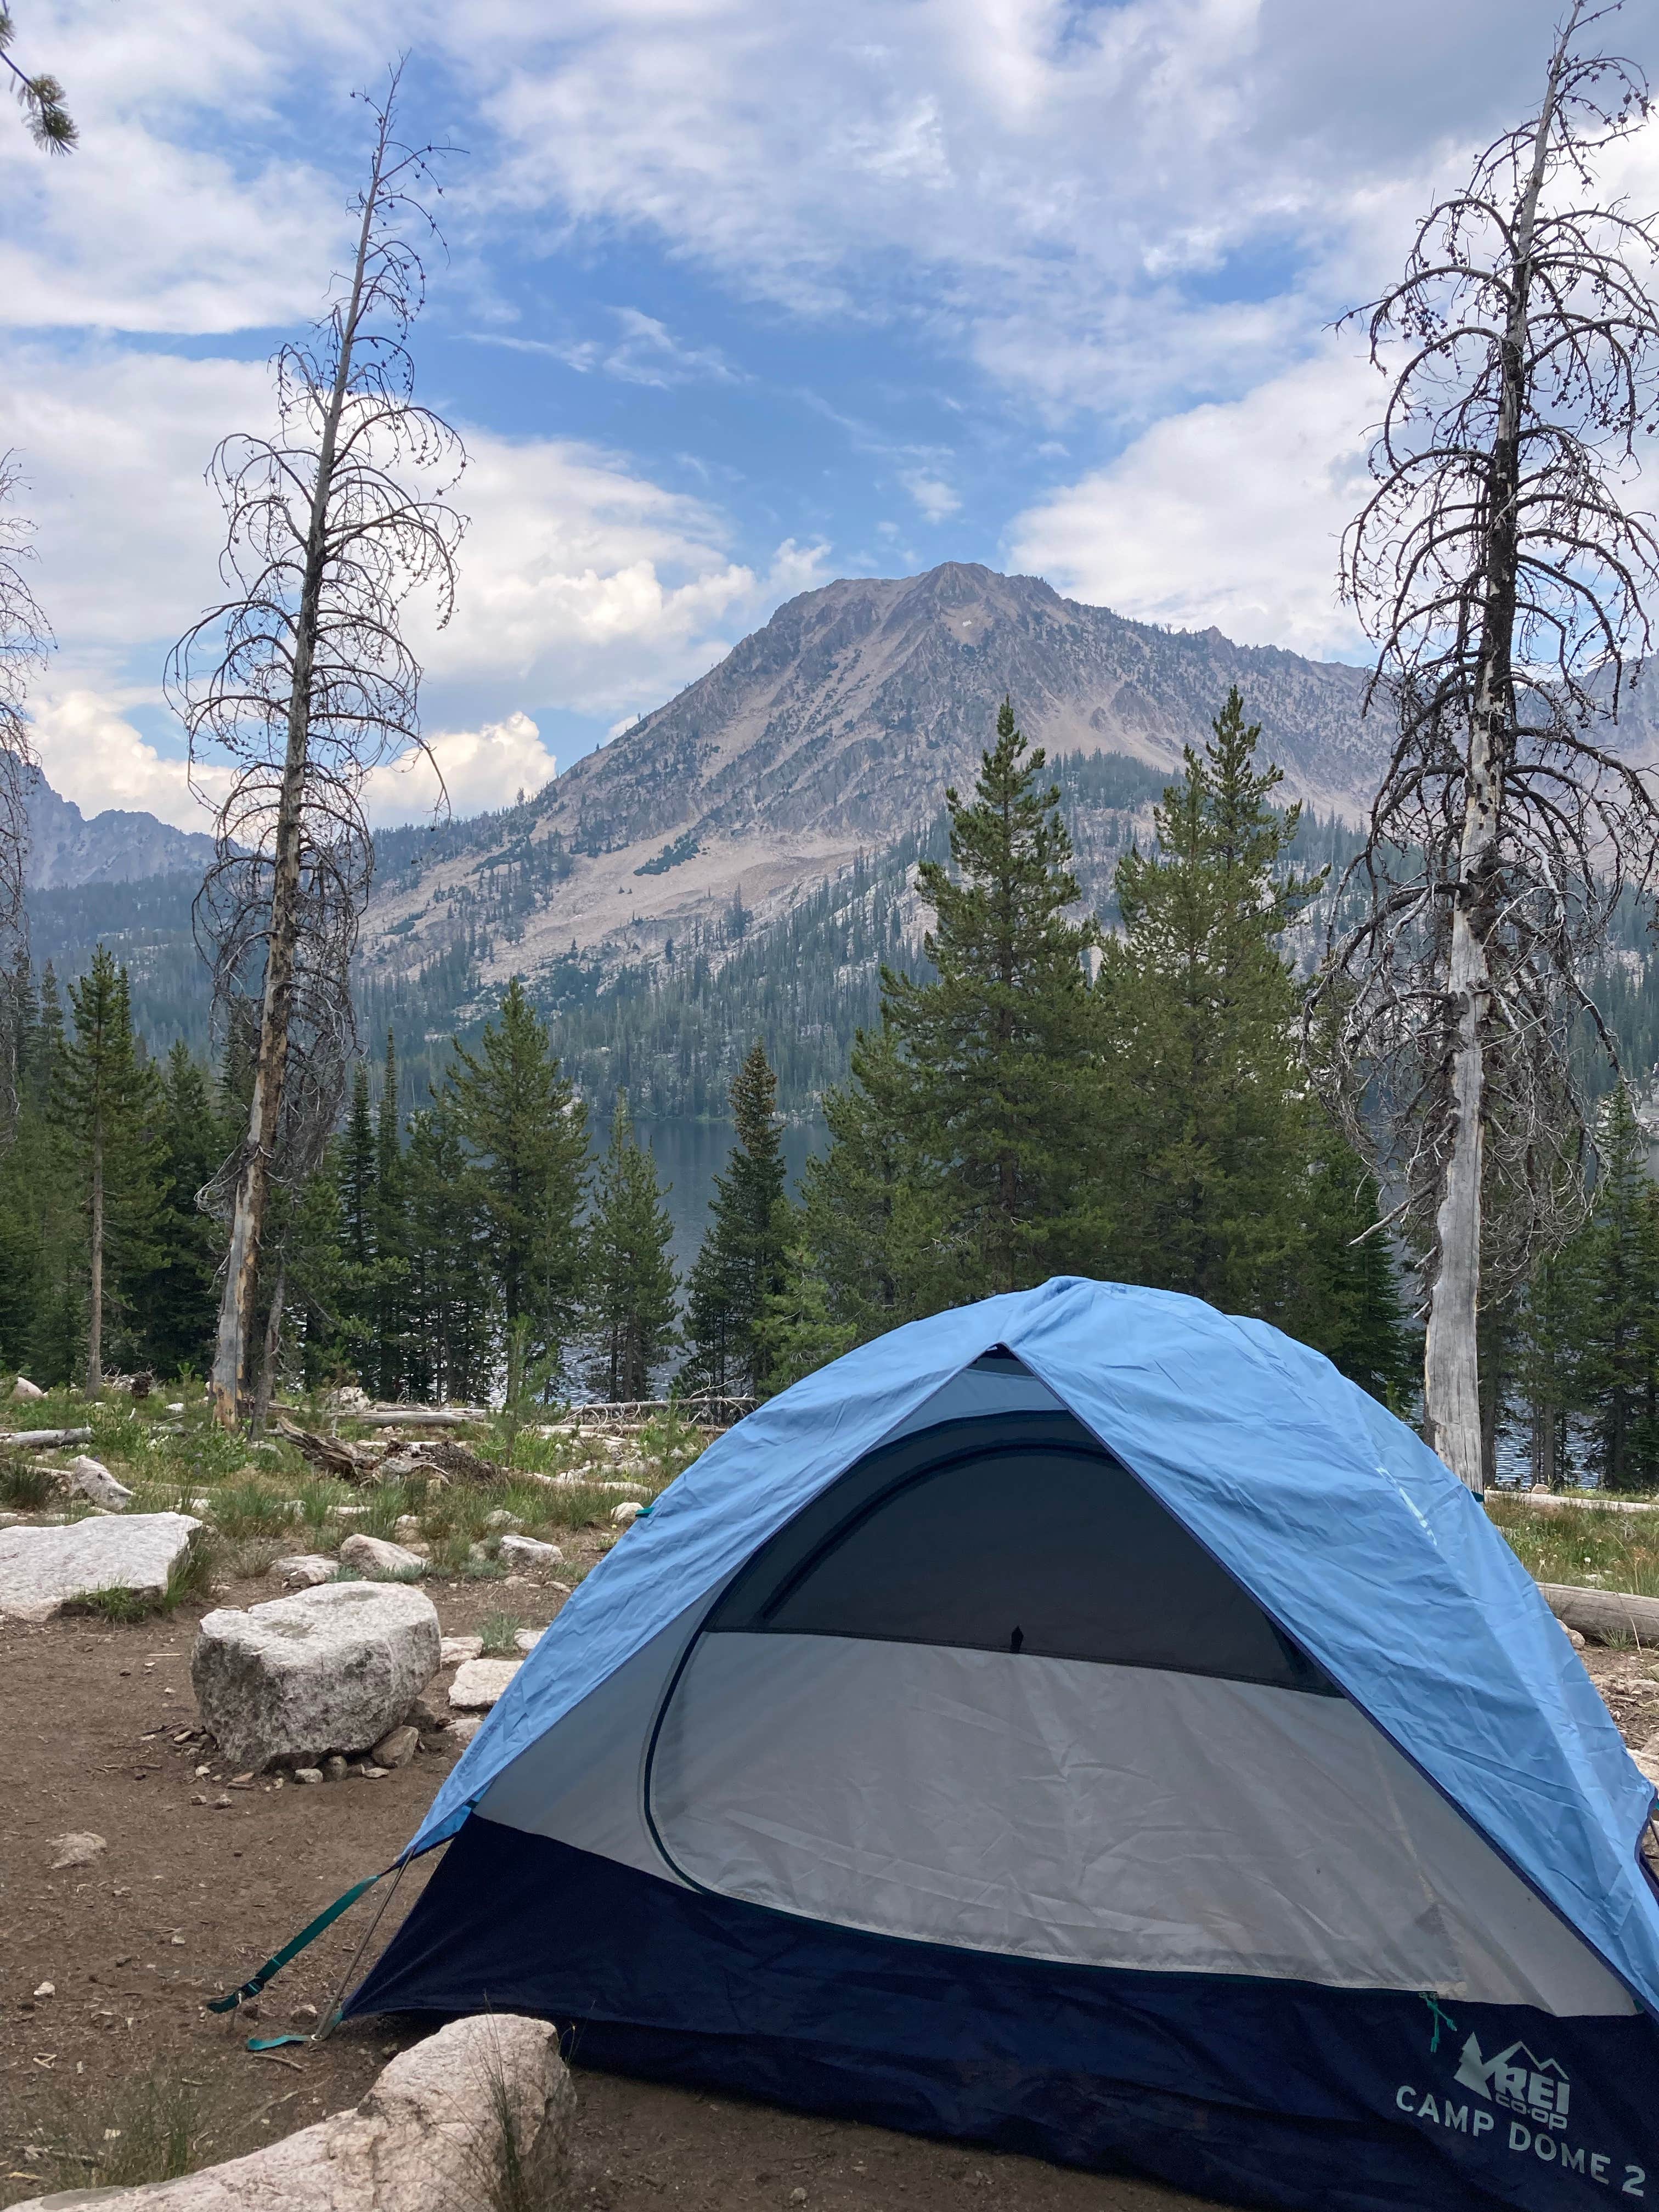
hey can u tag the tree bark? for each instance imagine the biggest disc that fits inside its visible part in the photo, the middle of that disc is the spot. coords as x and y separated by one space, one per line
273 1346
1451 1359
236 1303
95 1388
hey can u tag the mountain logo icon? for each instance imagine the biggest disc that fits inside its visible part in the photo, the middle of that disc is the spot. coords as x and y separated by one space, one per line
1518 2079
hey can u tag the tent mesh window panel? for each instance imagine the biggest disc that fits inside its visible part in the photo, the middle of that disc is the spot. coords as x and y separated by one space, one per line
1010 1533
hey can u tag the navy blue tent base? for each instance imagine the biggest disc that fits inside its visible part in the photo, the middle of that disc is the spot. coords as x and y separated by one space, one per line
1257 2092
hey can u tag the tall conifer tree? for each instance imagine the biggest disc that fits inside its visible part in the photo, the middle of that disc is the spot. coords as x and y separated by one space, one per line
741 1265
991 1075
631 1276
526 1133
104 1095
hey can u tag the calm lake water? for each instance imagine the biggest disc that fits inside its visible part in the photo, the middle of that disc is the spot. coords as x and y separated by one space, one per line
690 1154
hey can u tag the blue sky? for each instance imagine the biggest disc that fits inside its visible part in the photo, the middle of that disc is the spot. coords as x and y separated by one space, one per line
740 296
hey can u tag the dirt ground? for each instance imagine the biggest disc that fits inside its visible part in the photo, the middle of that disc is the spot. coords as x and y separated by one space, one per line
189 1898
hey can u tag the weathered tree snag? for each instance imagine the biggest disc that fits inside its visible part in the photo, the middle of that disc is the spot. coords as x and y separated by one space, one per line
305 683
1498 570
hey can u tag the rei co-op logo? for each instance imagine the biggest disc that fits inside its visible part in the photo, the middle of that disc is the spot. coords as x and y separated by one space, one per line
1522 2101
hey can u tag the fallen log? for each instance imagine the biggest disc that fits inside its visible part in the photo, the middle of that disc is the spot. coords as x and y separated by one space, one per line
1555 1501
1607 1616
349 1462
44 1439
420 1417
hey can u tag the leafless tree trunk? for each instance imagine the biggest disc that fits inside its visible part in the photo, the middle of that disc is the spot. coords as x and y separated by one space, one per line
272 1352
1503 578
304 681
25 641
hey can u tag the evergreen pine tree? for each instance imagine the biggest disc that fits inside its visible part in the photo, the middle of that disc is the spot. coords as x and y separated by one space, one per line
447 1299
1617 1368
1553 1332
631 1282
179 1299
1350 1306
103 1095
1218 1134
391 1235
741 1265
526 1132
356 1152
992 1064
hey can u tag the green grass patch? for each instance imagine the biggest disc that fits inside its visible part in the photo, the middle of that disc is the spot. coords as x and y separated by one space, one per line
1594 1545
25 1487
499 1632
252 1508
191 1577
150 2127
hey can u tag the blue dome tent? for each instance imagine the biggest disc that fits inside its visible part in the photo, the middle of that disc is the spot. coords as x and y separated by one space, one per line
1085 1723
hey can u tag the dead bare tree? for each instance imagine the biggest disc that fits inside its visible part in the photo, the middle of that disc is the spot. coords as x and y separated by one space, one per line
1502 572
303 681
25 641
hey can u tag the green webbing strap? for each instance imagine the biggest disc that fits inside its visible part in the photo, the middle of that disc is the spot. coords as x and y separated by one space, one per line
252 1987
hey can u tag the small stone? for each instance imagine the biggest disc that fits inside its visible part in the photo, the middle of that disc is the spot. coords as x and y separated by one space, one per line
397 1747
529 1551
334 1768
624 1515
197 1798
373 1555
501 1518
798 2197
220 1803
371 1773
407 1525
478 1684
432 1742
47 1989
464 1730
528 1639
305 1571
302 1774
426 1717
178 1941
456 1649
79 1848
22 1388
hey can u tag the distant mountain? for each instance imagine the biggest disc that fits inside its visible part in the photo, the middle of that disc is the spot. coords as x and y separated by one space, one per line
65 849
831 733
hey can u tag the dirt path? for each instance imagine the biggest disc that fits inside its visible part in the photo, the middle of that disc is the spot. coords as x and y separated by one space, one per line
189 1898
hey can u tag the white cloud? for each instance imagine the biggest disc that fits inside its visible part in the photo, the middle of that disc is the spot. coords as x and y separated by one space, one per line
935 498
92 754
1230 515
481 770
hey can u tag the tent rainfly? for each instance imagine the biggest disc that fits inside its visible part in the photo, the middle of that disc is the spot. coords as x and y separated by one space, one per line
1087 1724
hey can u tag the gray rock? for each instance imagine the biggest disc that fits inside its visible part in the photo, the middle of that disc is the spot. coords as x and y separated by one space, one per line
397 1747
478 1683
22 1388
528 1639
78 1849
427 2138
43 1570
464 1730
425 1716
330 1668
456 1648
334 1768
501 1518
627 1512
529 1551
373 1555
94 1480
307 1775
305 1571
